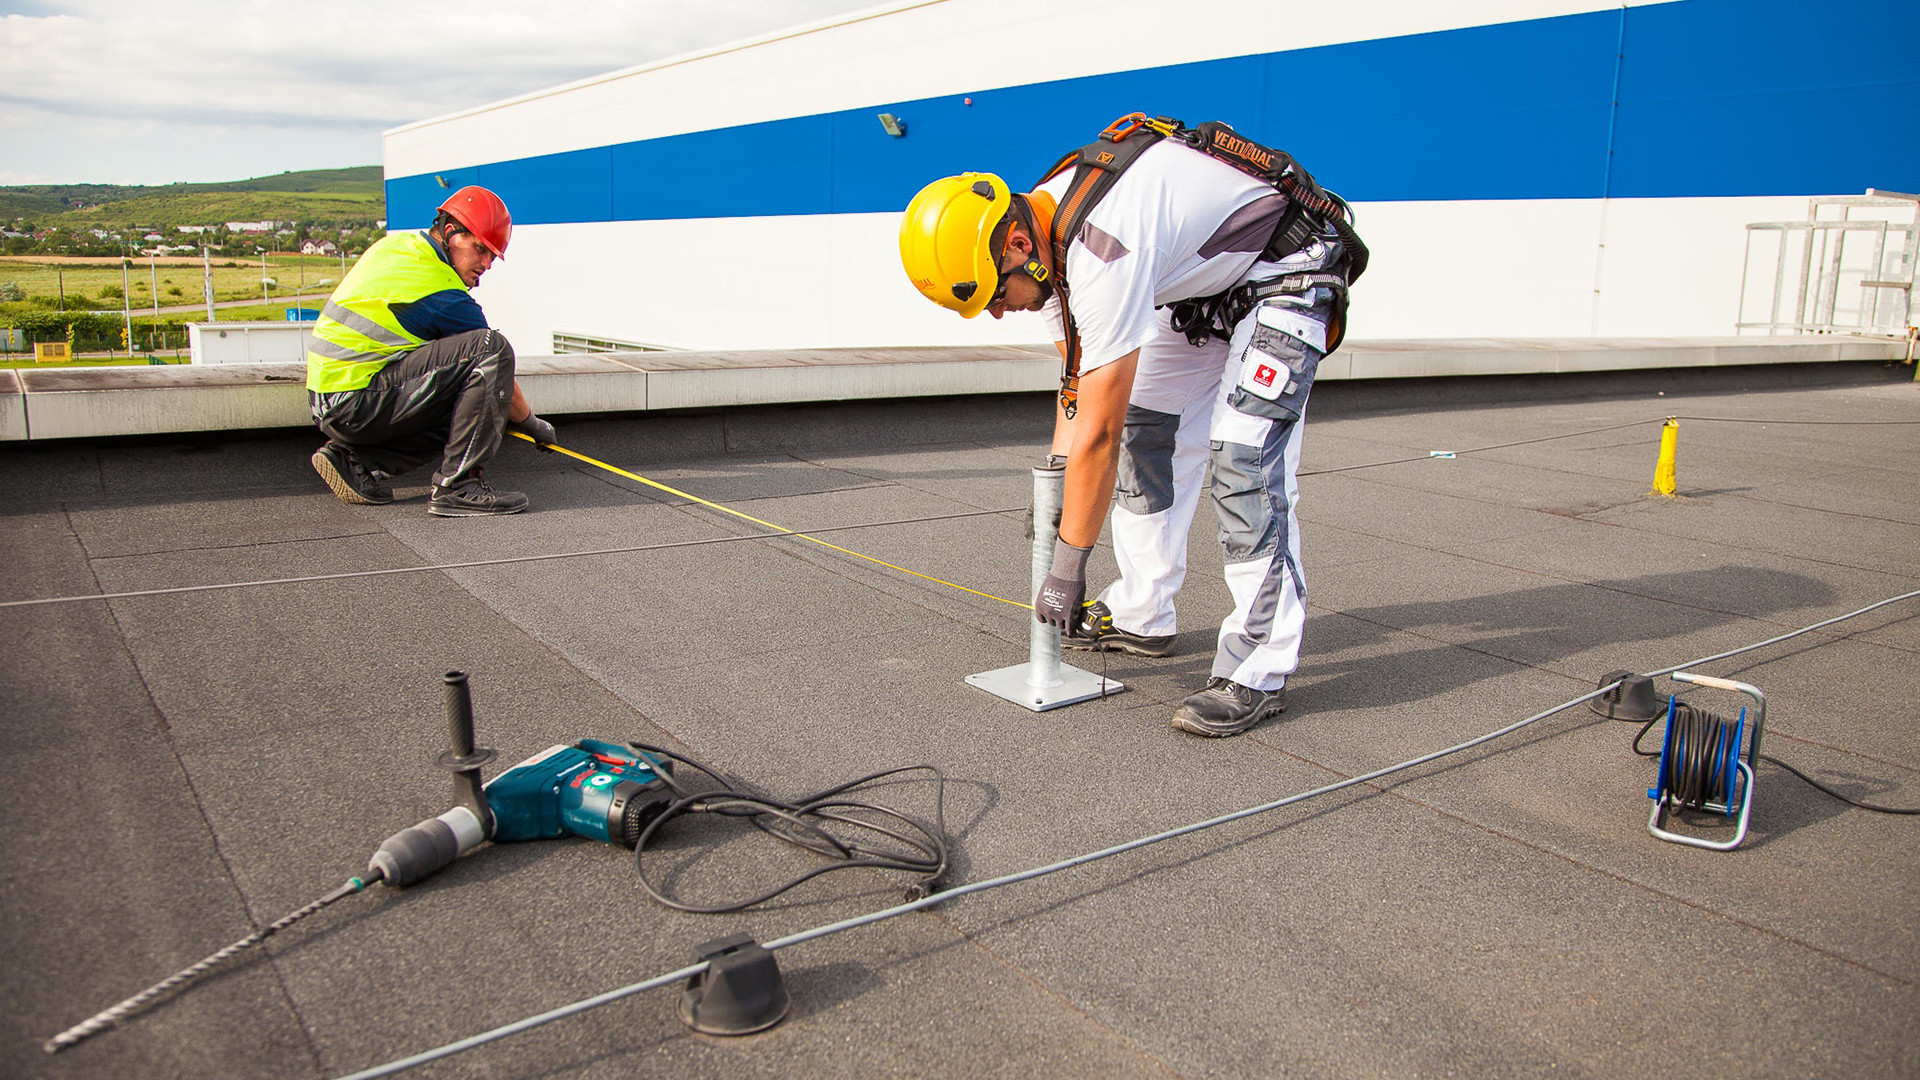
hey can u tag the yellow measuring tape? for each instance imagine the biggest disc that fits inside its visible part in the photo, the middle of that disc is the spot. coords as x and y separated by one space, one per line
637 478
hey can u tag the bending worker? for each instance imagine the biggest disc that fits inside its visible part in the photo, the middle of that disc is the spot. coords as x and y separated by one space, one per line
403 369
1193 280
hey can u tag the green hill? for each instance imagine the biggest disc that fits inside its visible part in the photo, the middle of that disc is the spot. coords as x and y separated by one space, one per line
345 196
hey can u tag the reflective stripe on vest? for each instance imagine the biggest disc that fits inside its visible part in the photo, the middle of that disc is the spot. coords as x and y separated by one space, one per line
357 333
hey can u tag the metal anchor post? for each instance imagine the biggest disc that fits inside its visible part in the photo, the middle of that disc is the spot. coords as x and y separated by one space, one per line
1043 682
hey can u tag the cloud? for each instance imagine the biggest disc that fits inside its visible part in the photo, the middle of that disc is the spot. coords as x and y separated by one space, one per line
348 66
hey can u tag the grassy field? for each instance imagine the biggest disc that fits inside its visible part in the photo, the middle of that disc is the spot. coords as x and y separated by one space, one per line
340 195
165 357
164 210
178 281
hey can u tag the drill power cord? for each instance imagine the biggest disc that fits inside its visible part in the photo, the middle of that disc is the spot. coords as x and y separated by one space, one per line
957 891
823 822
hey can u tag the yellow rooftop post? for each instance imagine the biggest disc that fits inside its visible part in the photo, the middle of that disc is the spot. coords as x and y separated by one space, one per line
1663 482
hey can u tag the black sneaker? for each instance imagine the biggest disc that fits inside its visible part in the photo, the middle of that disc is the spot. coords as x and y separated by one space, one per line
1227 708
350 480
475 498
1095 632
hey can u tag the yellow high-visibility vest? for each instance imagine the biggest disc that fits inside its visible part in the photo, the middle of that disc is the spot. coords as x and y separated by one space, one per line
357 333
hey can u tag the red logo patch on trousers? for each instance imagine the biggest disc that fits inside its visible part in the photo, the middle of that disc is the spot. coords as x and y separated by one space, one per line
1264 375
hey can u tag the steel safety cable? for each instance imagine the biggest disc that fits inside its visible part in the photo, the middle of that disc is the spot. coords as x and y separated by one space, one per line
637 478
1595 431
957 891
1481 449
1808 423
503 560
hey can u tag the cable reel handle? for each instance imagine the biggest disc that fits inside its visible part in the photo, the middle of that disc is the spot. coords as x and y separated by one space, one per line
1716 682
1759 700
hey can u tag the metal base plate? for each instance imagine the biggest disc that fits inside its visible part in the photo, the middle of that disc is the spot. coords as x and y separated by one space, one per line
1073 686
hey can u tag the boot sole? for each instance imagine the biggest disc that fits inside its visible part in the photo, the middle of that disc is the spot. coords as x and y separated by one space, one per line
346 492
469 511
1193 725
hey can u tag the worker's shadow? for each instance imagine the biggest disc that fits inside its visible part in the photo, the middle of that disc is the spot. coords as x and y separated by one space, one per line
1344 665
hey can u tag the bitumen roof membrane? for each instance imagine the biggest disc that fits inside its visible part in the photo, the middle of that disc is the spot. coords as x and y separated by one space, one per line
181 768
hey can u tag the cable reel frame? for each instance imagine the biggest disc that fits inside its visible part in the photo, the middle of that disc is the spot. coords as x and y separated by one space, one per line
1716 780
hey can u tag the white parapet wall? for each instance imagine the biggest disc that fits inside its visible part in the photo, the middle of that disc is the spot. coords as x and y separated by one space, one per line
87 403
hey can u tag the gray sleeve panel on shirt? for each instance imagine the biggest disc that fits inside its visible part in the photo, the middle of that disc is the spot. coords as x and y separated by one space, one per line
1248 228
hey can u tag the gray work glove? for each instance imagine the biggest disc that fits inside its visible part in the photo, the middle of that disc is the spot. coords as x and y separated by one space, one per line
1065 586
540 430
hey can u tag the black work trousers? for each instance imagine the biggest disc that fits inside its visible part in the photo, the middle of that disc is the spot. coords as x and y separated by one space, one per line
446 400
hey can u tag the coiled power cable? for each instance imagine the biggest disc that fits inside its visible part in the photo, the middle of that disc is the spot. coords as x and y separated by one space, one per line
826 822
1696 766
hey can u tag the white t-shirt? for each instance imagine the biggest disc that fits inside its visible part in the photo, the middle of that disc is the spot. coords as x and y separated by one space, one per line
1176 225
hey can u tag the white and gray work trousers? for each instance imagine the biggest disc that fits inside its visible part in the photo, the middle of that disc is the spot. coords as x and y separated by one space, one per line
1232 409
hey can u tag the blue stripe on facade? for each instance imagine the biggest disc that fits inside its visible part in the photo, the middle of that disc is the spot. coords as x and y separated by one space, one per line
1717 98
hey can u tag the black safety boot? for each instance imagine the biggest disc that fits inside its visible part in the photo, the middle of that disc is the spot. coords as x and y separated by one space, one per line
350 480
475 498
1095 632
1227 708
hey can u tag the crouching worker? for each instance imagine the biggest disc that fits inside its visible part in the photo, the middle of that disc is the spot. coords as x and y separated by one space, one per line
1193 279
404 370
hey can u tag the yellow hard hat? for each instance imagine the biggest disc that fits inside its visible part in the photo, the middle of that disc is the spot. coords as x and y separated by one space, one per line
946 240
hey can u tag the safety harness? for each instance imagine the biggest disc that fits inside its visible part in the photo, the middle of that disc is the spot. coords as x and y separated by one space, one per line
1311 210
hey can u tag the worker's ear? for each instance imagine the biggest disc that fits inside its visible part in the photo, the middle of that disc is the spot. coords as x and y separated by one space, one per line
1019 242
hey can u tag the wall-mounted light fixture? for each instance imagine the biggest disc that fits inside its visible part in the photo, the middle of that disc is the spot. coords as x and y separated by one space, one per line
442 181
894 125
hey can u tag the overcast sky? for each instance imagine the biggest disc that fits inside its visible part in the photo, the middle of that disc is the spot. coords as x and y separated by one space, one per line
155 91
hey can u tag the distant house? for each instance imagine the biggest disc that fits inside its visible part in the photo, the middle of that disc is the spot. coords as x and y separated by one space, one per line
192 228
250 226
153 236
319 247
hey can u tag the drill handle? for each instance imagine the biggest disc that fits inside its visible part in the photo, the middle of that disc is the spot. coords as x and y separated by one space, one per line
462 758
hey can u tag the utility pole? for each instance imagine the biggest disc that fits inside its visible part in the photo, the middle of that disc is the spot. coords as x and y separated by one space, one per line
206 278
126 303
153 281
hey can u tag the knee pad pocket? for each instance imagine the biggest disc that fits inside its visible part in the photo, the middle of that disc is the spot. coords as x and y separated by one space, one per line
1250 519
1143 481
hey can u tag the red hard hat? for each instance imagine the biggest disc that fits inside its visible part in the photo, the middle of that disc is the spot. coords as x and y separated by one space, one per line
484 215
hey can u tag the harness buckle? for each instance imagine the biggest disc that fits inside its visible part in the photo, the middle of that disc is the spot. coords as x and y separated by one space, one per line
1121 129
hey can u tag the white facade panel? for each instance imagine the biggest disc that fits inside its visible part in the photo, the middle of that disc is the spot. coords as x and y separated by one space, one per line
915 50
1494 268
